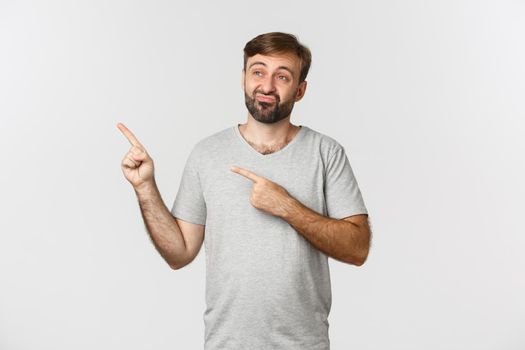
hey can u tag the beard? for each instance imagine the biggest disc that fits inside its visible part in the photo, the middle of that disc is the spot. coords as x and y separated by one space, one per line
268 112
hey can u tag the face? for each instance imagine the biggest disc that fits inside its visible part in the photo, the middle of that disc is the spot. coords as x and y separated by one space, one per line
271 86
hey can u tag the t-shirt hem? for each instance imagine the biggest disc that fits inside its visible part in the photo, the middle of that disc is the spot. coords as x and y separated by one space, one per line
346 213
188 217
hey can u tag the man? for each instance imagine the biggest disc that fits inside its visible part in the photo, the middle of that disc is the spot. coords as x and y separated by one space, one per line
274 199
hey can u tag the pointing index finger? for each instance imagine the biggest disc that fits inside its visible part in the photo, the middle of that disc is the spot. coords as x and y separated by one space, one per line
245 173
129 135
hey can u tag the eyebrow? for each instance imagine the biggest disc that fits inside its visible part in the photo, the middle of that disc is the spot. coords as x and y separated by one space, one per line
280 67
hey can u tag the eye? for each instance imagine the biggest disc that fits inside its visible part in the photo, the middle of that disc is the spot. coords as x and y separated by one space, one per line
283 76
256 72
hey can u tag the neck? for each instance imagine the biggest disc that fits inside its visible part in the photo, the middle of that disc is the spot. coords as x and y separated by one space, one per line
268 135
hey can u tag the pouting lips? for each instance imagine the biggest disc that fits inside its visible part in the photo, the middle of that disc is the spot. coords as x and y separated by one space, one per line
265 98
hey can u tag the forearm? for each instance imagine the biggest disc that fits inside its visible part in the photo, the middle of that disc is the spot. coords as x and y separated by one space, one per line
161 226
339 239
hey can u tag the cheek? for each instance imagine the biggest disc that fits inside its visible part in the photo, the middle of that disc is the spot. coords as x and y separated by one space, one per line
292 93
286 95
249 87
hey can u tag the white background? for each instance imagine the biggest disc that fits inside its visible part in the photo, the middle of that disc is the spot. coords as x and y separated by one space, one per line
427 97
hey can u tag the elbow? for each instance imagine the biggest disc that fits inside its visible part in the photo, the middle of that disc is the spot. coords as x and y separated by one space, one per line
361 259
359 262
179 264
175 265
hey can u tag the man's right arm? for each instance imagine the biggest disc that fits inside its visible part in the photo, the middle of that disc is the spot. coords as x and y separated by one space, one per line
177 241
165 230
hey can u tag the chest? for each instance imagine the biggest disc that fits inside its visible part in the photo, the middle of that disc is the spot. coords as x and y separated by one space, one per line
225 191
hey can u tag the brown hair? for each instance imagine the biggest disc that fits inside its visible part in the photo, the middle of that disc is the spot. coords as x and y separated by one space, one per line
279 43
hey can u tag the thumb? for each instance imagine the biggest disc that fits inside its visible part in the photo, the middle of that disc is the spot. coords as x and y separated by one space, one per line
141 156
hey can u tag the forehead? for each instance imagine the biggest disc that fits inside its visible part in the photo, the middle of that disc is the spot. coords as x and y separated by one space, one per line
275 61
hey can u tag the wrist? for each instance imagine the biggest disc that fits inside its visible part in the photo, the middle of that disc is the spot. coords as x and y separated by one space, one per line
147 187
290 208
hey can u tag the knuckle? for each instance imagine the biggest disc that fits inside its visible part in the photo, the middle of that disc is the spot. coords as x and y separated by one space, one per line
136 150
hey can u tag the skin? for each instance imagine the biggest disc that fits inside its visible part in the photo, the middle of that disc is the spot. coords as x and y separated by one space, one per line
137 165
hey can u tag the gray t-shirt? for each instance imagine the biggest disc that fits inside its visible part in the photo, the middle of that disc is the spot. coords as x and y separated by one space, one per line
267 287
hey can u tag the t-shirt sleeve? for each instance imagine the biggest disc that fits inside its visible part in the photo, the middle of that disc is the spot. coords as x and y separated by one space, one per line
342 194
189 204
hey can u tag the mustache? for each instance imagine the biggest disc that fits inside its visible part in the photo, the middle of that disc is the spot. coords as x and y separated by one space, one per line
263 94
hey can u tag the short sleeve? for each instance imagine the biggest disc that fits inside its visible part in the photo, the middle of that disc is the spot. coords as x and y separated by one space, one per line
342 194
189 204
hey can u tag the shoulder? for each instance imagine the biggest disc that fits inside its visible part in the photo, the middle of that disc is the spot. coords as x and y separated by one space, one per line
210 147
212 142
326 144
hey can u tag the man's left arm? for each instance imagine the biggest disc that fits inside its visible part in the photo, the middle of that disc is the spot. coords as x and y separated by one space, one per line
347 240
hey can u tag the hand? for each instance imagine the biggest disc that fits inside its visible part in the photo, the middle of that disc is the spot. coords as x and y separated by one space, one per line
266 195
137 165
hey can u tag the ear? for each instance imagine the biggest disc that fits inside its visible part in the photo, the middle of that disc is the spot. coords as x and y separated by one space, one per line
301 89
243 75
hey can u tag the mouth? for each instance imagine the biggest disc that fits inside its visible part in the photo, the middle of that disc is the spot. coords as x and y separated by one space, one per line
268 99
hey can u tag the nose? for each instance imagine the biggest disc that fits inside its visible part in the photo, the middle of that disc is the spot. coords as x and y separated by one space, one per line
268 85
